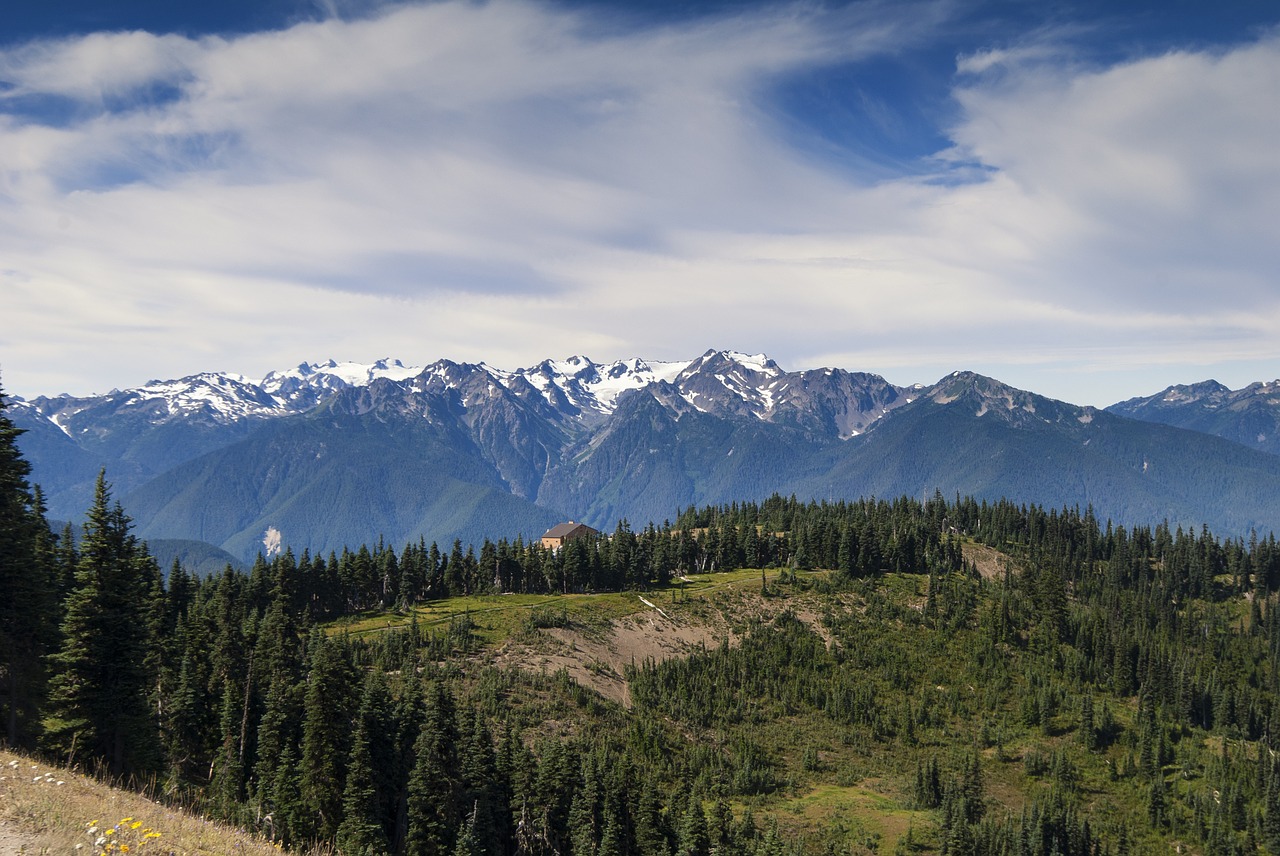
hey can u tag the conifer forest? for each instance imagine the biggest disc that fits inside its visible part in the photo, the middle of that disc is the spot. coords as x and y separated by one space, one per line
916 675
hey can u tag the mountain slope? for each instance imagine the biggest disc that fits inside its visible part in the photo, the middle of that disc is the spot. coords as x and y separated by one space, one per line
332 480
972 435
658 453
338 453
1249 416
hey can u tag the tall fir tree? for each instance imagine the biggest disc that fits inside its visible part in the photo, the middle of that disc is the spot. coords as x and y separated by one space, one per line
328 712
361 833
28 607
101 684
434 795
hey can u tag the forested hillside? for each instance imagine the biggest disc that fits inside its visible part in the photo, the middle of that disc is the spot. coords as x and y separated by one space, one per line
942 676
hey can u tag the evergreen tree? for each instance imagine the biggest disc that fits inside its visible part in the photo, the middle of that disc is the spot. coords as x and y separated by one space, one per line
650 832
409 716
326 734
289 821
186 725
360 832
227 786
469 837
28 605
584 812
481 788
1088 731
1271 810
433 793
277 729
694 840
100 687
1156 802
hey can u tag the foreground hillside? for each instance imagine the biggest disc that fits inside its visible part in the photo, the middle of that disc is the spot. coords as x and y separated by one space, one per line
49 809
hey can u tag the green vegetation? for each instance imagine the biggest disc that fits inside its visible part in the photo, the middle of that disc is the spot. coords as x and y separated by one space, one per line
950 677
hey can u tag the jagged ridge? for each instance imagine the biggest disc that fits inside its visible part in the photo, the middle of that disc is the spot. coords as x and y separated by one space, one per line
450 448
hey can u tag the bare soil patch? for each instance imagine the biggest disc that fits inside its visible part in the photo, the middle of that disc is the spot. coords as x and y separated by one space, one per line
990 563
13 841
597 657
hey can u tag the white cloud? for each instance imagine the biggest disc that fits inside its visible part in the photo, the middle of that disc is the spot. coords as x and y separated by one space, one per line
94 67
508 181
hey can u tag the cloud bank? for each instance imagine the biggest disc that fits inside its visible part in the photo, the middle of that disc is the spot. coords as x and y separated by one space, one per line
509 181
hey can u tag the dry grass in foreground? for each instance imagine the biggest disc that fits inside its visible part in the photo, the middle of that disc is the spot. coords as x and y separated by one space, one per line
46 809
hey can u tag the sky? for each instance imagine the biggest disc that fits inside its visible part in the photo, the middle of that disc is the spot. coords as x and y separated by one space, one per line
1081 199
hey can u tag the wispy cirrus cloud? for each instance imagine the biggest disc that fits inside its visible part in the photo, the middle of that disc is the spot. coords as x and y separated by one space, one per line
507 181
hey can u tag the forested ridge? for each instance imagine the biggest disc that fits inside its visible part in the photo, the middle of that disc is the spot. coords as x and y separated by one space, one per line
943 676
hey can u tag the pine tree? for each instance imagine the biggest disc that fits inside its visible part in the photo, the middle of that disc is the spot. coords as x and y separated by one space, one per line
410 713
1271 811
847 552
433 793
227 785
1156 802
1088 732
360 831
289 820
481 788
972 788
100 687
694 840
277 730
28 607
328 711
585 820
469 837
186 725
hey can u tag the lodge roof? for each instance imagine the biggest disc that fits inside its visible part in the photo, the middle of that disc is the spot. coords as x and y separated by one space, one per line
562 529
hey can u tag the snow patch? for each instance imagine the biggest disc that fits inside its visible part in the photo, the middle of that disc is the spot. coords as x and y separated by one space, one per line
348 373
756 362
63 428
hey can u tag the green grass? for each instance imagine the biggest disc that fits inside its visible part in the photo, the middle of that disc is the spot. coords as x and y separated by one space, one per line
497 617
859 817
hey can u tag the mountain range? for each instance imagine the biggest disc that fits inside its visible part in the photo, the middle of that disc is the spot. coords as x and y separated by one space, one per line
1249 416
333 454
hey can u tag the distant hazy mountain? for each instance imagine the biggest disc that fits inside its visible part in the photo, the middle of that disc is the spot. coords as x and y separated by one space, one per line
1249 416
972 435
332 454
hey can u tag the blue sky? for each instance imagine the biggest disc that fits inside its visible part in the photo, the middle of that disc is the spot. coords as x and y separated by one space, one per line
1082 199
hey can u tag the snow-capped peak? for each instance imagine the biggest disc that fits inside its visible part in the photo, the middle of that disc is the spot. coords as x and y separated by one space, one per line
348 373
590 386
623 375
756 362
